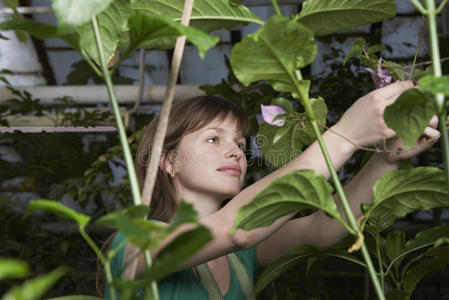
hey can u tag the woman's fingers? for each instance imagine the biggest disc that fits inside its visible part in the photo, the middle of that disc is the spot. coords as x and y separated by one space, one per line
392 91
396 148
431 133
429 137
433 122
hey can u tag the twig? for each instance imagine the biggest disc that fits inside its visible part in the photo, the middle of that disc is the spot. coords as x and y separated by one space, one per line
156 152
376 149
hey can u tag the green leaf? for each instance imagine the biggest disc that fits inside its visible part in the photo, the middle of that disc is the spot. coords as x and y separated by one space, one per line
177 252
12 3
400 192
207 15
76 297
395 69
375 48
291 143
147 234
397 295
395 244
186 213
434 85
34 288
142 233
149 31
74 13
133 212
281 132
13 268
409 115
273 53
326 17
284 103
378 223
420 73
442 241
41 30
297 256
301 189
112 24
58 209
415 274
425 238
357 47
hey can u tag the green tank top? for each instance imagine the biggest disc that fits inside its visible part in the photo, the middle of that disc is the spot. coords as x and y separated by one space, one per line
184 285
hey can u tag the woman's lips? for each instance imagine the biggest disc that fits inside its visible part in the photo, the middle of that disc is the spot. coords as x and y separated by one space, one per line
234 171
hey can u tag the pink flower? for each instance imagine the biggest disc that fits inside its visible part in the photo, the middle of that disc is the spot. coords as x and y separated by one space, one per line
380 78
269 112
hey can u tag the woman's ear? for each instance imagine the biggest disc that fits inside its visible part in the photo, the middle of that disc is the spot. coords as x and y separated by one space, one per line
167 162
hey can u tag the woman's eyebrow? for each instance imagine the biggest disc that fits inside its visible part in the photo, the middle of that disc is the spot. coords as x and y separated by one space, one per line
222 130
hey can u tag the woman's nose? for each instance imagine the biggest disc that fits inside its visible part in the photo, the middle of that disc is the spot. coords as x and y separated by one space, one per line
234 152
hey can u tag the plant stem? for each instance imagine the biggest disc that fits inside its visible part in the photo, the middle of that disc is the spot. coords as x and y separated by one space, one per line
379 258
419 7
343 200
107 266
91 64
123 138
439 98
414 59
276 7
440 8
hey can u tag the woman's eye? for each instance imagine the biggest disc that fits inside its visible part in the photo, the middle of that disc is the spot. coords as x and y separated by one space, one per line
214 139
241 146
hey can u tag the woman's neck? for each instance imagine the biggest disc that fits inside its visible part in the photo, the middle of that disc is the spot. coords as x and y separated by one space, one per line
204 205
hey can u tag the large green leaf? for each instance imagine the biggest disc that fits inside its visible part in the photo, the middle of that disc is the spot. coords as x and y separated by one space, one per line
416 273
58 209
177 252
298 134
300 189
174 254
434 85
207 15
400 192
41 30
144 234
112 23
13 268
34 288
273 53
147 234
76 297
409 115
74 13
150 31
296 256
425 238
378 223
394 245
329 16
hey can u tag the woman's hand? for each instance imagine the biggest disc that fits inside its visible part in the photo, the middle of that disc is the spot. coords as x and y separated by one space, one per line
396 150
363 123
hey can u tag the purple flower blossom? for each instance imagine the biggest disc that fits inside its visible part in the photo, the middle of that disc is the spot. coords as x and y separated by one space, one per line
380 78
269 112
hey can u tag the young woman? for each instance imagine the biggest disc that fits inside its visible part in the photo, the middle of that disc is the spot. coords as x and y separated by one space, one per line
204 163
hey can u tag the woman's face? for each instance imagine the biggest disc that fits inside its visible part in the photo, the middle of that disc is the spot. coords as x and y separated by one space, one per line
211 160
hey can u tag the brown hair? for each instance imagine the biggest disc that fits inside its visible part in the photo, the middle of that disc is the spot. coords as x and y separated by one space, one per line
186 117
